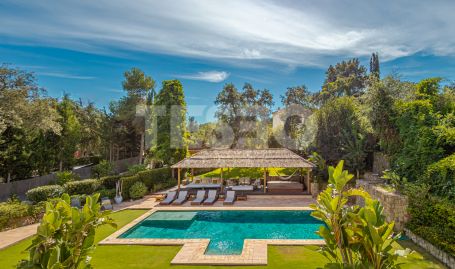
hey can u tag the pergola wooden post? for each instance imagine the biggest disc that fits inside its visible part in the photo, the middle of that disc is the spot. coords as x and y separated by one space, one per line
265 180
178 179
308 177
222 180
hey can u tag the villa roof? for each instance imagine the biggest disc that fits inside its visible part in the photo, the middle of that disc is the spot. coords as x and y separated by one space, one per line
244 158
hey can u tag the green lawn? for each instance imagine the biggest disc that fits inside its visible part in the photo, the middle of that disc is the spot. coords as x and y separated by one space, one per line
150 257
248 172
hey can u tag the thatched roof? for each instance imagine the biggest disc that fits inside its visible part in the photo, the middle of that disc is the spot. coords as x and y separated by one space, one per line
229 158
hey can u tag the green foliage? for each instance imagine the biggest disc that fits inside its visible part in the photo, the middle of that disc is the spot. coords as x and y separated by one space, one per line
321 167
171 142
428 87
14 214
104 168
340 122
86 186
356 237
66 176
393 179
440 176
66 235
43 193
347 78
70 134
138 190
418 148
109 181
150 178
134 169
110 193
431 217
299 95
236 109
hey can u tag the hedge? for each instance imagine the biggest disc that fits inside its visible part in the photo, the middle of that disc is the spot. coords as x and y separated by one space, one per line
440 176
43 193
151 178
87 186
108 182
432 218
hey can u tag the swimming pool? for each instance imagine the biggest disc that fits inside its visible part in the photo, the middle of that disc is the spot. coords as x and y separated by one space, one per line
226 229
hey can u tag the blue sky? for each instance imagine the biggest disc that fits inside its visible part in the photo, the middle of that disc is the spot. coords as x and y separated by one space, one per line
83 47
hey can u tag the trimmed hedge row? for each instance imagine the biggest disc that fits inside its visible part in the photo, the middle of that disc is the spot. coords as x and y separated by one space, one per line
159 177
43 193
155 179
433 219
87 186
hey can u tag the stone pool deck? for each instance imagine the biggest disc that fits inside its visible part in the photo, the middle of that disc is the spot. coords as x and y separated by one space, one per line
193 250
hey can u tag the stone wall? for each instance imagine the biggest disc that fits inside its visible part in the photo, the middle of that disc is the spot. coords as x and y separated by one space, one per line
395 205
436 252
381 162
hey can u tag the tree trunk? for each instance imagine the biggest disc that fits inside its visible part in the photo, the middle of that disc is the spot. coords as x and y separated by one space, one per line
60 165
110 152
8 180
141 151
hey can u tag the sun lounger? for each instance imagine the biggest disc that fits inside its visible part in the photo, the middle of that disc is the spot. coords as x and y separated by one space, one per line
230 198
183 196
212 197
170 197
200 196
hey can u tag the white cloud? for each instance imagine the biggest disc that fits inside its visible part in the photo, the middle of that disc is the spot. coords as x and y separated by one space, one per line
64 75
290 32
210 76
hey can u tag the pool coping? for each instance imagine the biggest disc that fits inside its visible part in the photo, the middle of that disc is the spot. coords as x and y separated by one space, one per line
193 250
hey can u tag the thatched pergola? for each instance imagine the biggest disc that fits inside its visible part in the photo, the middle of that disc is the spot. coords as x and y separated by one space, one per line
245 158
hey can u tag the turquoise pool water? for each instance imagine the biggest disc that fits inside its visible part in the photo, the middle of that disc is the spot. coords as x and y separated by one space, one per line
226 229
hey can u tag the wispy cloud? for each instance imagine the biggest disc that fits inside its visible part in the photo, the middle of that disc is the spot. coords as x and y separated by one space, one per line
64 75
210 76
298 33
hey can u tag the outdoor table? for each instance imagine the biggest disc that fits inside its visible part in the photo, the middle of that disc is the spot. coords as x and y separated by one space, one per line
202 186
242 189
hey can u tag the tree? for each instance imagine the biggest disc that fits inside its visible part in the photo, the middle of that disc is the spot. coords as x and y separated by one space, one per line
172 142
25 113
242 111
347 78
69 138
142 89
374 66
339 122
298 95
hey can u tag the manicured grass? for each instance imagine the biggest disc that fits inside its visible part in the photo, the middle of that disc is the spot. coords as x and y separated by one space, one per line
151 257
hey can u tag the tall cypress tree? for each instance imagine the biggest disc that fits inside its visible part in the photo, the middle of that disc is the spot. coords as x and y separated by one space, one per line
172 134
374 65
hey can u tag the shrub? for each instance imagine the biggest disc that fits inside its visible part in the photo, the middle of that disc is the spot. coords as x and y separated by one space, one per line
109 181
134 169
138 190
432 218
10 213
66 176
441 177
104 168
88 186
66 235
150 178
110 193
128 182
43 193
